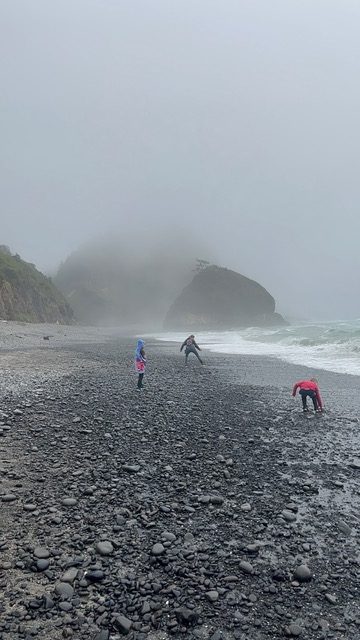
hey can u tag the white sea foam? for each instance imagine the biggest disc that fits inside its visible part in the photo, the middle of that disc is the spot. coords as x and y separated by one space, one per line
334 346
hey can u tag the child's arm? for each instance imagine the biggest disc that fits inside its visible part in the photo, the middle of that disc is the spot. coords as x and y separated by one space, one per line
295 388
318 398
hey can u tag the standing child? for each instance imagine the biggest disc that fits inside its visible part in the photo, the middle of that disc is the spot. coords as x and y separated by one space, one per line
191 347
140 362
309 388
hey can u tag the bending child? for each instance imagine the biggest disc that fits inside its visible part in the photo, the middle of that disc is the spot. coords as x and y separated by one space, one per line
309 388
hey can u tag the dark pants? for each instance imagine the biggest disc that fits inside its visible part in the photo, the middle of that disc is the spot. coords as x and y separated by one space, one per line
304 394
140 380
189 350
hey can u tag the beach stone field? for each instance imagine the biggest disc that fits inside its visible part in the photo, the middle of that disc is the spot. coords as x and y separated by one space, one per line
201 507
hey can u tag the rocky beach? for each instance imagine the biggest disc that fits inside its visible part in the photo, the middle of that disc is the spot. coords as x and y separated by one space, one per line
206 506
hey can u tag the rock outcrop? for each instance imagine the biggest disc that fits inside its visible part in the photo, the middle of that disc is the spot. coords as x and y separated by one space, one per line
27 295
219 298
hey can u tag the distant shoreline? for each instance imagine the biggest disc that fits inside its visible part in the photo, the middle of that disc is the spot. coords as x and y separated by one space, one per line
340 390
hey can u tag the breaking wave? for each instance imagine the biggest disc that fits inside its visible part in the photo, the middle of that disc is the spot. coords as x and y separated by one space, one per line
334 346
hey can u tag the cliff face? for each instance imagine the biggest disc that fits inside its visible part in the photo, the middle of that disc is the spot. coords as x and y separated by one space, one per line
219 298
27 295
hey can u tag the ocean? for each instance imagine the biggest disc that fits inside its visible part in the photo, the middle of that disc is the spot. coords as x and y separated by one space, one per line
334 346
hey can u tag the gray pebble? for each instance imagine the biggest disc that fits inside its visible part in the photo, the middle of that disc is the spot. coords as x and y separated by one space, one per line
104 547
302 573
157 549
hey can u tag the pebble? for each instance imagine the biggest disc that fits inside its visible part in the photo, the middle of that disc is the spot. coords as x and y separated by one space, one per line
64 590
245 506
212 596
246 567
102 635
41 552
288 515
294 630
122 624
331 598
30 507
302 573
104 547
95 576
69 502
344 528
131 468
170 537
355 464
9 497
187 616
70 575
158 549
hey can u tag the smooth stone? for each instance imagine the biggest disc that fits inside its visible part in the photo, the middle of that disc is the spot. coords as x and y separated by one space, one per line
48 602
186 616
344 528
246 567
104 634
302 573
65 606
9 497
288 516
212 596
95 576
131 468
330 598
216 500
42 565
122 624
30 507
168 536
355 464
64 590
70 575
69 502
188 537
245 506
41 552
157 549
253 548
295 630
104 547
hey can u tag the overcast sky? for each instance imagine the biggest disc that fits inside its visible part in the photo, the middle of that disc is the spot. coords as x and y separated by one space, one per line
236 120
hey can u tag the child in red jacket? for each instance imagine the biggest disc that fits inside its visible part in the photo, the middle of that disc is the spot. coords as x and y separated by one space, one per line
309 388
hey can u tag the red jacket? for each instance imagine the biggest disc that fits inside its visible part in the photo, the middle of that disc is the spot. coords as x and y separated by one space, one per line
309 385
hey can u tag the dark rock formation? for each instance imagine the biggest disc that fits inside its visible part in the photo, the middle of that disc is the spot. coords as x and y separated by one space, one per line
219 298
27 295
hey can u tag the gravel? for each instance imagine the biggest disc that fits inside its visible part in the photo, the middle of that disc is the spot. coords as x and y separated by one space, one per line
176 524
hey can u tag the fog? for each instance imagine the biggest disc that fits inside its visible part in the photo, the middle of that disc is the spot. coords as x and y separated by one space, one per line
230 124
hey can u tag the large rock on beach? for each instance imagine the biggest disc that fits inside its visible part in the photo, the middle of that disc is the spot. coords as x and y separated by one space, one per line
219 298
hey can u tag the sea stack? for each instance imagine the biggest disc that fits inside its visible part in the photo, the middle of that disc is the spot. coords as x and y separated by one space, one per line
218 298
